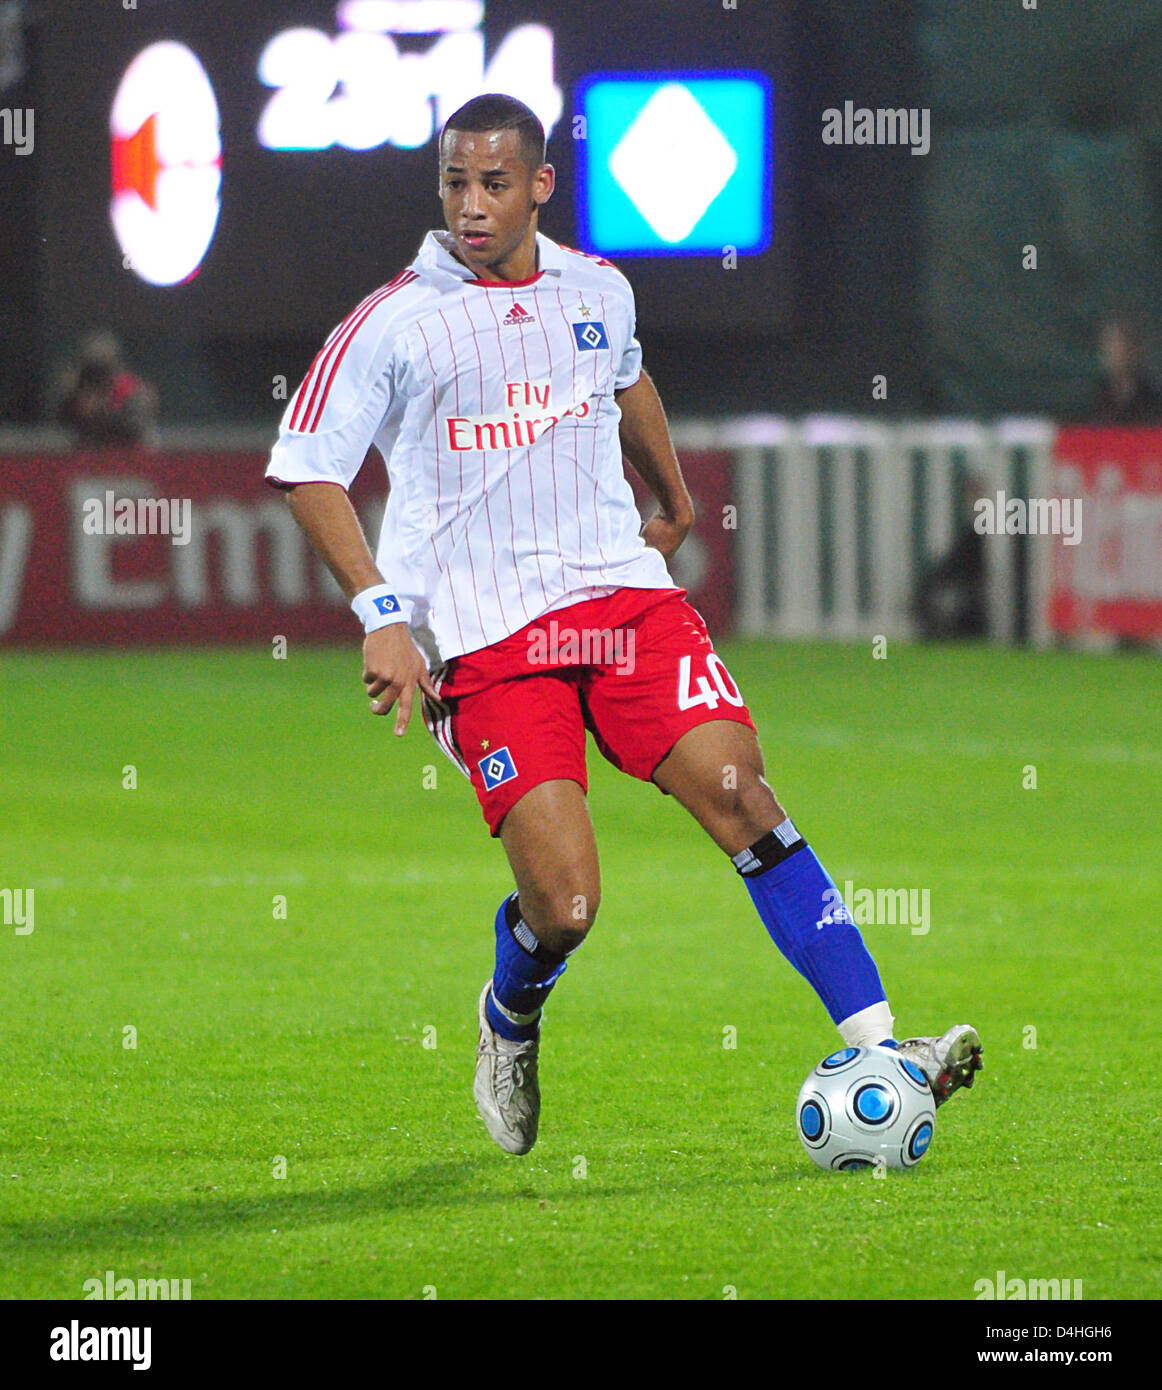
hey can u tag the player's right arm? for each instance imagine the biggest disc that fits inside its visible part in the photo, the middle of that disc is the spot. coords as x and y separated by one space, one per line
325 435
392 663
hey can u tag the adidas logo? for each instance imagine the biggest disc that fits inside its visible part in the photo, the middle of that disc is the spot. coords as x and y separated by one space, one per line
517 314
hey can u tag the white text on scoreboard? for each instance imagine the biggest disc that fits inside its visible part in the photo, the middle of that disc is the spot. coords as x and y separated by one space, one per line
360 89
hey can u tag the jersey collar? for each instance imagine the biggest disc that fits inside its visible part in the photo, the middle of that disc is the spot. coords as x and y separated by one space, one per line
435 256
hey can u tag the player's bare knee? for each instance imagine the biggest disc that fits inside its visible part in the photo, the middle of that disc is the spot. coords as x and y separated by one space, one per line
562 941
747 804
760 805
573 914
561 917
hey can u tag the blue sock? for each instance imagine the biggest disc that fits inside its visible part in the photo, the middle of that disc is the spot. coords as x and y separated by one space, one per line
809 922
525 973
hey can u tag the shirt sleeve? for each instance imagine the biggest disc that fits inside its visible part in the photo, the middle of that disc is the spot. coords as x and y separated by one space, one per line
630 366
331 420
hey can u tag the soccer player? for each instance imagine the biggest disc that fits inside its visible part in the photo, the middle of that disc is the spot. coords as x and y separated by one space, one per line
513 586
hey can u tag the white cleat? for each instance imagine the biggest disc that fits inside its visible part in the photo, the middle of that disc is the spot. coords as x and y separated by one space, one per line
949 1062
506 1090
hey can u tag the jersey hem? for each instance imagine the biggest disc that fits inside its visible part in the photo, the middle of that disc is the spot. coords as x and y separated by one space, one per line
670 588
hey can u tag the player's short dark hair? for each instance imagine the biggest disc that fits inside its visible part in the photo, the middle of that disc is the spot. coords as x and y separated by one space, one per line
497 111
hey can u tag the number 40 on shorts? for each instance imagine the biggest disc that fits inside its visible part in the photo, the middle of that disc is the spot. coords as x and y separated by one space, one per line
706 694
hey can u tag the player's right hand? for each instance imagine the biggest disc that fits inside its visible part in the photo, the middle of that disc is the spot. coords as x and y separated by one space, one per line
392 668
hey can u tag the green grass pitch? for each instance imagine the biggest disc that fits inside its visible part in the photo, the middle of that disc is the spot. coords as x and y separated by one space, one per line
668 1165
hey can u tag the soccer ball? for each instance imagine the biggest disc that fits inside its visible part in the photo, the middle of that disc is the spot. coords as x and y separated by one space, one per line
864 1107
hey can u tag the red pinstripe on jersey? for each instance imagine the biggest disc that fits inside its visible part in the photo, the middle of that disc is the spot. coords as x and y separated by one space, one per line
529 467
316 385
496 324
432 541
484 468
553 442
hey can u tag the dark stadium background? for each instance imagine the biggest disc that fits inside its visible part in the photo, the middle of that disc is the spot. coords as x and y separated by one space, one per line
1046 131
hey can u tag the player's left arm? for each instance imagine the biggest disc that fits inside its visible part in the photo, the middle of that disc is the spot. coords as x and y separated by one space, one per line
646 444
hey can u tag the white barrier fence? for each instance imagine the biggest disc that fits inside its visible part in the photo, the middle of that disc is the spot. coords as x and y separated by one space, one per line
838 517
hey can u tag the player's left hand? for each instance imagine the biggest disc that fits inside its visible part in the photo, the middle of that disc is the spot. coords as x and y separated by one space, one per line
667 534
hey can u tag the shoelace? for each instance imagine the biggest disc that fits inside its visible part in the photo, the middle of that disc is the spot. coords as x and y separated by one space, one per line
507 1081
508 1075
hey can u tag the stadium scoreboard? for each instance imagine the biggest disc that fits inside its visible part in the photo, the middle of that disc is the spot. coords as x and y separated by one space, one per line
229 171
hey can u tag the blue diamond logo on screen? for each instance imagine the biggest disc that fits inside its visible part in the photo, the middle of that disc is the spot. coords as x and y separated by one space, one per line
675 164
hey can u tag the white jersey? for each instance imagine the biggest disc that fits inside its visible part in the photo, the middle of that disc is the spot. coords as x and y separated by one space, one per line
493 406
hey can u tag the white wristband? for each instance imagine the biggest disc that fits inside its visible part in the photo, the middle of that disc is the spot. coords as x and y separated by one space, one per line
378 607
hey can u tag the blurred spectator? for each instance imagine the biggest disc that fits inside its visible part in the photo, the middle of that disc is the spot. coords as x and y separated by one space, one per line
950 597
1125 395
101 400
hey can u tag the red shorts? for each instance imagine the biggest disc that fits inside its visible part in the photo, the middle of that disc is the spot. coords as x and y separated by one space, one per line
636 668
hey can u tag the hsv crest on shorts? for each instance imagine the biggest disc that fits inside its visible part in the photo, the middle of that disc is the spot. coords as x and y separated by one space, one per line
497 768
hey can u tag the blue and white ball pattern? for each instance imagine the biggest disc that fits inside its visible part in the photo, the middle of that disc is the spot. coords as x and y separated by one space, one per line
863 1106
